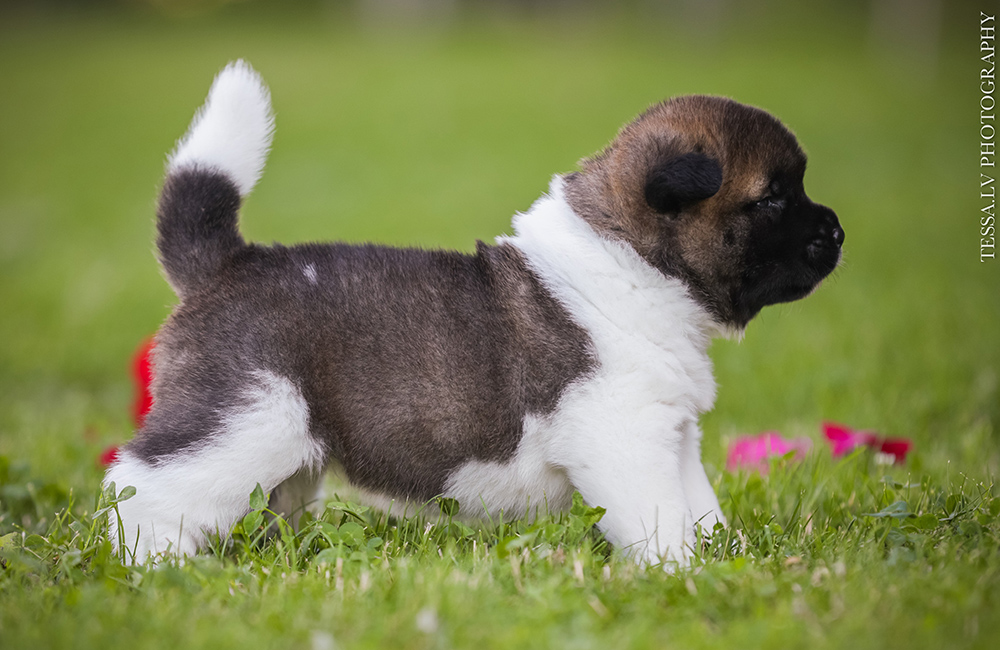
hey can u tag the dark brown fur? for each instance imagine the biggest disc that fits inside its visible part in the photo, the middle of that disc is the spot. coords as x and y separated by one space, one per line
412 362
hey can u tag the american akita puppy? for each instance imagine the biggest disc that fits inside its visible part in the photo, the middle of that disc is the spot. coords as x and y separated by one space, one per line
568 356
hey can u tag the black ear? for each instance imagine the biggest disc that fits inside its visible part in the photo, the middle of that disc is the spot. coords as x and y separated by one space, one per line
682 181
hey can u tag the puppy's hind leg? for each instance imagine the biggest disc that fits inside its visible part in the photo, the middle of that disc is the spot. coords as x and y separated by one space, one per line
298 494
184 496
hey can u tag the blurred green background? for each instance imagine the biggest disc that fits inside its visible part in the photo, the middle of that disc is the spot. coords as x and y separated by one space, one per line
430 123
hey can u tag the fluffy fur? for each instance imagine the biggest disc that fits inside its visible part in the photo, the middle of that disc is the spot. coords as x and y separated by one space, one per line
179 501
232 132
620 434
569 356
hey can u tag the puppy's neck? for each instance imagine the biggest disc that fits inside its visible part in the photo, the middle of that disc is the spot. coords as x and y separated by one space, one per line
604 280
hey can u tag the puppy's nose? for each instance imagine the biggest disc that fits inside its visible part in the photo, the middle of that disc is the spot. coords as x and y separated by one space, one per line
838 235
829 229
827 238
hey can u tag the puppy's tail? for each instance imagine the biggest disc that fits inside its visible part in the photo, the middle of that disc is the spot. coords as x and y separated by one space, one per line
214 166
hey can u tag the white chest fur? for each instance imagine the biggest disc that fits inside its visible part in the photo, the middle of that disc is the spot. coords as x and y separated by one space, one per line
625 436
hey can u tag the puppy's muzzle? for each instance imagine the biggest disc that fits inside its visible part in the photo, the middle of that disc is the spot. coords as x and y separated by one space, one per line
824 249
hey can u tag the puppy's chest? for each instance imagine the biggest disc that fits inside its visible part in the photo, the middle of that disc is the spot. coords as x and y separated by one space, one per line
651 374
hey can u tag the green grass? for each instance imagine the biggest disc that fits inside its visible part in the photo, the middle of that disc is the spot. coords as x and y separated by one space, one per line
435 138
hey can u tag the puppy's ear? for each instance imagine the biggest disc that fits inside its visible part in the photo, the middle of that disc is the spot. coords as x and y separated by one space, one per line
682 181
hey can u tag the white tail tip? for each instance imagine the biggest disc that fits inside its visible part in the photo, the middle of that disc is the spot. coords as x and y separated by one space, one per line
232 132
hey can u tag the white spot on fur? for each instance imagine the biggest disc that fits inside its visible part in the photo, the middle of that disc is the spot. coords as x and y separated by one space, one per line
622 434
232 132
182 499
310 272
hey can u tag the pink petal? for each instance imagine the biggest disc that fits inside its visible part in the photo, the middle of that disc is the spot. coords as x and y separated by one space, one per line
844 439
752 452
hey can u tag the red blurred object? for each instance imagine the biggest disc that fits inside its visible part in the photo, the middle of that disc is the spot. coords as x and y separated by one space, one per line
896 447
142 376
844 439
108 456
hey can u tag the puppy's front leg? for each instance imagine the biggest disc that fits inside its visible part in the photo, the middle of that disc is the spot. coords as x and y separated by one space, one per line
634 472
701 497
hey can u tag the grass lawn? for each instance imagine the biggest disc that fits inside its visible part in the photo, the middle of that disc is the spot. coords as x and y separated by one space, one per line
435 137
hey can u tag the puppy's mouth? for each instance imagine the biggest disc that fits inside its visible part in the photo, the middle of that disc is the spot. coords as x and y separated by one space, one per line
822 256
795 292
824 251
798 279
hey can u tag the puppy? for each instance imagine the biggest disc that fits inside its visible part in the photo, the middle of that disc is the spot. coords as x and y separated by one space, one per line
568 356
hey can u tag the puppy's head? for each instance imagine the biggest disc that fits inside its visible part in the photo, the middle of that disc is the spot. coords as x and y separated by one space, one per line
710 191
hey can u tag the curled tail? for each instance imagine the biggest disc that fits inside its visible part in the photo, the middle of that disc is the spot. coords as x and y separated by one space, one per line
213 167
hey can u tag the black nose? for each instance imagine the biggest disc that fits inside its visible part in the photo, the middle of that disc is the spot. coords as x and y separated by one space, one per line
827 238
838 235
828 230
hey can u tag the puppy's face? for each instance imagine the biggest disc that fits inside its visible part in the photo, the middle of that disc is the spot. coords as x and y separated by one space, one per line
711 191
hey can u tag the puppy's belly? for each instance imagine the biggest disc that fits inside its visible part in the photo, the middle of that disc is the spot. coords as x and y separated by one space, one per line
526 484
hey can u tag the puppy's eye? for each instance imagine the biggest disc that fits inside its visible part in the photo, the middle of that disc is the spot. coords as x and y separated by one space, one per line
772 200
767 203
